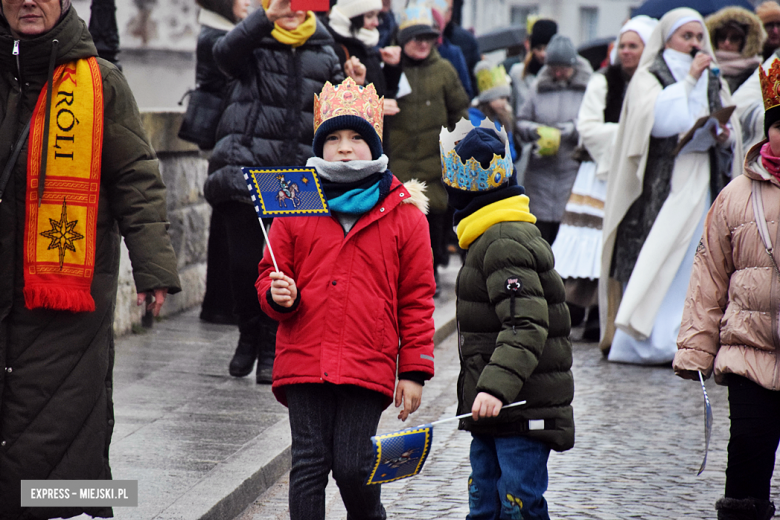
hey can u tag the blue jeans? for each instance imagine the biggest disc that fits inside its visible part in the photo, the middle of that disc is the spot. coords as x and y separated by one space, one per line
508 478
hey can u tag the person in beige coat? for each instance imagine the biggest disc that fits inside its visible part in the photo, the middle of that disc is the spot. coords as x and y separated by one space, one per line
730 319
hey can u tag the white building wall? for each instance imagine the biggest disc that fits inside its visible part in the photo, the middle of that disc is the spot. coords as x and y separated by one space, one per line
484 15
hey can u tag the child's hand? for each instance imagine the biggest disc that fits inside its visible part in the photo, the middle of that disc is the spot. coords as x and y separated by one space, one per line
410 393
485 405
283 289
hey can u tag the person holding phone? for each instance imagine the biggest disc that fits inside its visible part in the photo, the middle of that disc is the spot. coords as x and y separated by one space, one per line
656 199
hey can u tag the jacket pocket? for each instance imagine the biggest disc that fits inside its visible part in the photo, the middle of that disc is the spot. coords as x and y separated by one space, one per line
476 349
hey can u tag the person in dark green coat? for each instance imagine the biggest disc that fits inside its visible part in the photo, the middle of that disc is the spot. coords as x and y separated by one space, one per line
101 183
437 99
513 328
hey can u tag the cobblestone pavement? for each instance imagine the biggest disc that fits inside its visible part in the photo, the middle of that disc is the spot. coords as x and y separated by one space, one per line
640 441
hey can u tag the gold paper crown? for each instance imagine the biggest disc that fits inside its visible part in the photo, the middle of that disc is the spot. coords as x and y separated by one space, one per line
770 84
349 99
471 176
416 15
488 78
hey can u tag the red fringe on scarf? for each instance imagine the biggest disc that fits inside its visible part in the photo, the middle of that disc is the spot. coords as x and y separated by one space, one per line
58 298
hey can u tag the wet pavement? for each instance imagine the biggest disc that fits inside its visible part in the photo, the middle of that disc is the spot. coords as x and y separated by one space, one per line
640 442
204 445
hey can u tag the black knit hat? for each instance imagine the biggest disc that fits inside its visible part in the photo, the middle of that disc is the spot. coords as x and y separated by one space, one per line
542 32
351 122
771 116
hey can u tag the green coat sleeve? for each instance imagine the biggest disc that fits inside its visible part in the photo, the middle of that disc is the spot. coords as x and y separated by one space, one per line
130 175
455 97
523 334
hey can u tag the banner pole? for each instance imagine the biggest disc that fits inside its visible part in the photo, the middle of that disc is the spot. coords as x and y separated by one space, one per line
469 415
268 243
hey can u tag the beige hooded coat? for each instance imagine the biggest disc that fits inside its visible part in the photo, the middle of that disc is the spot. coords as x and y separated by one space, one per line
730 321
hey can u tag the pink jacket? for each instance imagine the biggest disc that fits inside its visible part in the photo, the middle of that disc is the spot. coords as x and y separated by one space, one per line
730 319
366 299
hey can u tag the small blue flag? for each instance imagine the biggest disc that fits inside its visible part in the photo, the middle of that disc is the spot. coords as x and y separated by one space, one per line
400 454
286 191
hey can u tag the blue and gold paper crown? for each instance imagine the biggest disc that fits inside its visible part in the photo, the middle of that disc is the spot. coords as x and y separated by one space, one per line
416 14
471 176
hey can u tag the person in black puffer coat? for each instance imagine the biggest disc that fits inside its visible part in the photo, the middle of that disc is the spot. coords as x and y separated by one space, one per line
353 26
216 18
279 59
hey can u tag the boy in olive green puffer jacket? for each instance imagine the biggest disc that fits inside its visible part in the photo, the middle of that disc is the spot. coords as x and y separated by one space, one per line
513 327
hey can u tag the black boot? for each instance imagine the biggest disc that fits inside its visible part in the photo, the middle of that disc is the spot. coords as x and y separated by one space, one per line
244 359
266 353
577 314
744 509
592 330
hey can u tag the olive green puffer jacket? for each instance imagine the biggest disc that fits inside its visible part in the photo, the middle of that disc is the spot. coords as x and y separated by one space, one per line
527 357
412 136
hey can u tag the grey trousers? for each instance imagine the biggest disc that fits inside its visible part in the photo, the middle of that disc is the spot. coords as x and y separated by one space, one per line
331 429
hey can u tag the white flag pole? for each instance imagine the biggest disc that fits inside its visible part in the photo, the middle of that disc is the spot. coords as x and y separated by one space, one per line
518 403
268 243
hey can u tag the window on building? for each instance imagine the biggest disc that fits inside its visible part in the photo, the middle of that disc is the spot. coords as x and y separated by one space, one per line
589 23
519 14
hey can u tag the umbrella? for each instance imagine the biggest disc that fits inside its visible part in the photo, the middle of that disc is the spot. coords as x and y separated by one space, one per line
595 51
658 8
503 38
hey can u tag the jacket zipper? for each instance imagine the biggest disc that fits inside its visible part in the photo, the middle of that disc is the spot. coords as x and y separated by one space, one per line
18 65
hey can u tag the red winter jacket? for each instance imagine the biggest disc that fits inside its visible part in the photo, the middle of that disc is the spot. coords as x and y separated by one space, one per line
365 299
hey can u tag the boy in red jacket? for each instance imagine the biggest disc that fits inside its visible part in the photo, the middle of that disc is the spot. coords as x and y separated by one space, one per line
354 301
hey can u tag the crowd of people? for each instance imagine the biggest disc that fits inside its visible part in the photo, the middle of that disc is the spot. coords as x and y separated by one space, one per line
597 173
639 199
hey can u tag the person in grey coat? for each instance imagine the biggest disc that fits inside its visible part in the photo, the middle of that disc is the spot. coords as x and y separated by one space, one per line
554 101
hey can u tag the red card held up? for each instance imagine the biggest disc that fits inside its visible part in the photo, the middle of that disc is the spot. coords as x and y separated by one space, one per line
309 5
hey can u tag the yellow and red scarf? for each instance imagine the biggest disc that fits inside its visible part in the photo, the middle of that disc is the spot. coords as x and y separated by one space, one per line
61 227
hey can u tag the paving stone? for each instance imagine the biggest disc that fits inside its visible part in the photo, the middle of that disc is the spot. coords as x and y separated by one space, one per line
639 445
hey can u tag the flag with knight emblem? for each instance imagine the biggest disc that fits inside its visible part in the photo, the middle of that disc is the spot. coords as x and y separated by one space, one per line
400 454
286 191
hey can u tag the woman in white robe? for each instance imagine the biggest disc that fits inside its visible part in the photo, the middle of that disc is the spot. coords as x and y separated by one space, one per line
656 200
577 247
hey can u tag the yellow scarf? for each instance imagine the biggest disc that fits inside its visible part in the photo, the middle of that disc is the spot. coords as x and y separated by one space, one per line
511 209
60 229
297 36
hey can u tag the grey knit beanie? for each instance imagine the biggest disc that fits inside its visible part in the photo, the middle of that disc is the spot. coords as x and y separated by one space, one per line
561 51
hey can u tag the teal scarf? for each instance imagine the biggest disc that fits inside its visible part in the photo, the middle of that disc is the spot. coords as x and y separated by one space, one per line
357 201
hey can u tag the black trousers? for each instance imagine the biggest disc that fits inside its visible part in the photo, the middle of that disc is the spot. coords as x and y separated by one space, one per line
331 429
439 227
218 298
549 230
245 243
755 432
